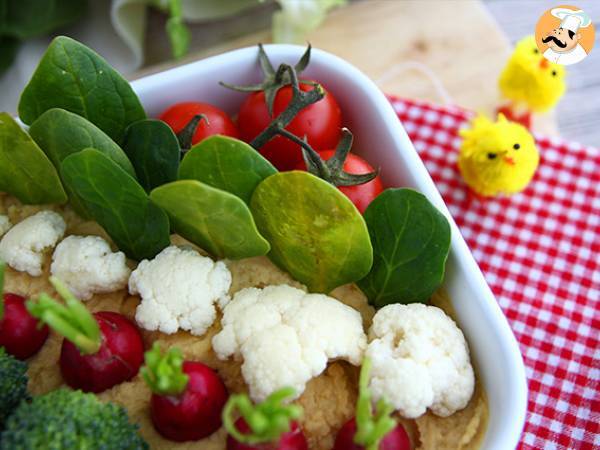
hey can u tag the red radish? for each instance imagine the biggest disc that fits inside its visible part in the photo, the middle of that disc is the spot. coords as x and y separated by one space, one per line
100 350
371 430
270 425
397 439
20 333
187 398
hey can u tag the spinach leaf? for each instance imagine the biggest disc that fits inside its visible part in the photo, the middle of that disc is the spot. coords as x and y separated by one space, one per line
228 164
117 202
24 19
315 232
154 151
411 240
73 77
61 133
215 220
25 171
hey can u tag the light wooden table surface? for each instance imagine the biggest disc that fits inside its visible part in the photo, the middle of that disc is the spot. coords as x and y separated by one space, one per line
462 44
457 42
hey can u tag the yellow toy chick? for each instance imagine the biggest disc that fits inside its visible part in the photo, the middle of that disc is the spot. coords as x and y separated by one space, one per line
530 81
497 157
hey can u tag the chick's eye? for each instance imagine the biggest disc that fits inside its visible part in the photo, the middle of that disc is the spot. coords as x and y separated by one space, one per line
517 146
554 73
491 155
535 51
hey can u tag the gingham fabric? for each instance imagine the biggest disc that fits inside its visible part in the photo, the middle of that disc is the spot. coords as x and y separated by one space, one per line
540 253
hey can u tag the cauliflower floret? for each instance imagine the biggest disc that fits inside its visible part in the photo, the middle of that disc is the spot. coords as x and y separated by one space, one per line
88 266
22 247
179 288
4 224
286 336
420 360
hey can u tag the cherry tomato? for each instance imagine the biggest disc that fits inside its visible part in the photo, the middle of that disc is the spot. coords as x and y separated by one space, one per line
361 194
320 123
179 115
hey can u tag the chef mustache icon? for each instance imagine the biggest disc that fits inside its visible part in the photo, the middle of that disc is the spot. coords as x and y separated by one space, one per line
556 41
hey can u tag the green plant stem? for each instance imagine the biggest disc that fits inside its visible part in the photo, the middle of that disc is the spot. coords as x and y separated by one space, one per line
300 100
267 420
309 154
371 427
164 372
186 135
331 170
72 320
272 80
179 35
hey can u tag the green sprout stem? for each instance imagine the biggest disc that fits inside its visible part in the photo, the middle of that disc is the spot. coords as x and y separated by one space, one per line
163 372
2 269
71 319
267 420
371 426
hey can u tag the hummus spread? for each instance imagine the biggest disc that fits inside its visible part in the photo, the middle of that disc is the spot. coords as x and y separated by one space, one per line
328 401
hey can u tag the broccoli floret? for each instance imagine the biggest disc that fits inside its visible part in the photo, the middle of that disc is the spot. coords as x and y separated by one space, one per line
70 420
13 384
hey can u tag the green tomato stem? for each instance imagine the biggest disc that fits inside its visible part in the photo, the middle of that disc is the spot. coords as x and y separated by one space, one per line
332 170
72 320
272 80
267 420
186 135
300 100
371 428
164 372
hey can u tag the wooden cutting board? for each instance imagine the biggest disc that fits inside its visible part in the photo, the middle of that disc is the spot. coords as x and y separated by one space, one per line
433 50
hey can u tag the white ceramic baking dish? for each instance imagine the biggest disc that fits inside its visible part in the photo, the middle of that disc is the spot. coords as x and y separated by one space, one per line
379 135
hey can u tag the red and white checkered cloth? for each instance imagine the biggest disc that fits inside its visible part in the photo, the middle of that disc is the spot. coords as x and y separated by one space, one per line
540 253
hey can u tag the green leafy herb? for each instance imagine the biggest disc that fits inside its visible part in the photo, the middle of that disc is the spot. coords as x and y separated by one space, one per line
154 151
163 372
118 203
296 19
25 171
73 77
228 164
315 232
72 320
24 19
217 221
267 420
411 240
61 133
